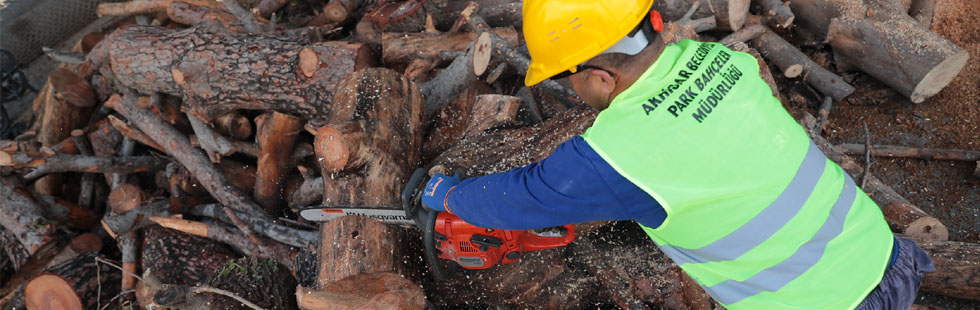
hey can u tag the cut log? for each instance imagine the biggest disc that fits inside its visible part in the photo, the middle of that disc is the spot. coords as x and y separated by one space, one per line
125 197
402 48
384 102
182 258
217 72
275 135
384 290
881 39
451 121
491 111
786 56
911 152
22 219
80 283
353 245
729 14
956 268
307 193
285 233
67 213
899 212
459 75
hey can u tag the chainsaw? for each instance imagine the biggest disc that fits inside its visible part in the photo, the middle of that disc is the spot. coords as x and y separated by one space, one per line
448 237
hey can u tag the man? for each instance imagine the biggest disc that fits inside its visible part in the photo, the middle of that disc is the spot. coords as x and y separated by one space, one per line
691 144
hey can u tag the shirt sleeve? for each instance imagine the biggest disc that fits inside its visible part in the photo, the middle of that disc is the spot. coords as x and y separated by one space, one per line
572 185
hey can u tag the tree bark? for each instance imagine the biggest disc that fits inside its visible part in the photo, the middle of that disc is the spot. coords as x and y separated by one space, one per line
182 258
217 72
276 135
956 268
380 102
80 283
355 245
881 39
22 219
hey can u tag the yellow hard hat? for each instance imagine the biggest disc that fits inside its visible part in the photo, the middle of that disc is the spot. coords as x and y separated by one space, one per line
562 34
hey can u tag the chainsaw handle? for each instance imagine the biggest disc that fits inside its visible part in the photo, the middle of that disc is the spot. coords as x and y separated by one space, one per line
532 242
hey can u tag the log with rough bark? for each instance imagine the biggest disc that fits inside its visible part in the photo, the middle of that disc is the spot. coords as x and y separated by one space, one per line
275 135
729 14
79 283
451 121
899 212
44 164
43 260
786 56
383 290
881 39
911 152
22 219
63 104
956 268
374 137
182 258
354 245
405 47
217 71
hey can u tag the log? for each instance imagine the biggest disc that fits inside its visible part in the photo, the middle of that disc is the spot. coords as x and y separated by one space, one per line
383 290
911 152
63 104
354 245
23 220
491 111
451 121
217 72
136 7
241 175
309 192
383 102
865 34
43 260
785 56
124 223
45 164
190 14
87 187
80 283
275 135
777 12
286 233
182 258
923 11
729 14
899 212
402 48
451 81
213 143
956 268
67 213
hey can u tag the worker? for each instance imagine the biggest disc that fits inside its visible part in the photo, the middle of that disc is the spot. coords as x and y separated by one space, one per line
691 144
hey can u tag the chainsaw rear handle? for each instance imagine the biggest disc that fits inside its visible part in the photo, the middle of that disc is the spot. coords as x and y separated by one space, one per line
425 219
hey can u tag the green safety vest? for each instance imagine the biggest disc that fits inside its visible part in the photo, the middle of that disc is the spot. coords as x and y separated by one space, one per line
756 213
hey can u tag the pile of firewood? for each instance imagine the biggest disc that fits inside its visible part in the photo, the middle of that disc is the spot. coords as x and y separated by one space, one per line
169 154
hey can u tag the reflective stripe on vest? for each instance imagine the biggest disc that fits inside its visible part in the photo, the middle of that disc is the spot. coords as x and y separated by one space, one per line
764 225
775 277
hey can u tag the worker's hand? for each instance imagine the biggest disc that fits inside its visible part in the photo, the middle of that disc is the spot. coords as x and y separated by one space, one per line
437 189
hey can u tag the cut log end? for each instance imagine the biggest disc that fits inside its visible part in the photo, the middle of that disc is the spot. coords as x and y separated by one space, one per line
337 146
51 292
738 12
481 53
793 71
335 12
125 197
87 242
309 62
940 76
927 228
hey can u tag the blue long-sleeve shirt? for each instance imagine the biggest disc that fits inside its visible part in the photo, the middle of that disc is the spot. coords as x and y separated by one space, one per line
572 185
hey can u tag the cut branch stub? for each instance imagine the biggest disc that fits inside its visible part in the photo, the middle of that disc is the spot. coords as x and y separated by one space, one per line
341 146
481 53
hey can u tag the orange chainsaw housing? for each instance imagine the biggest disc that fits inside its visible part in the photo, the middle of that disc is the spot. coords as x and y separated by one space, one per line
480 248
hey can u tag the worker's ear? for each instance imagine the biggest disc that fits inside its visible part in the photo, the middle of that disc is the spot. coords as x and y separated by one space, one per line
602 82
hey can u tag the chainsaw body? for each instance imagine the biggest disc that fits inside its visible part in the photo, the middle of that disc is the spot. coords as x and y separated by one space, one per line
475 247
